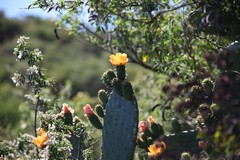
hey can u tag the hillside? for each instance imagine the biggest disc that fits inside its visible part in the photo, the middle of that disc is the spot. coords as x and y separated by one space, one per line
68 59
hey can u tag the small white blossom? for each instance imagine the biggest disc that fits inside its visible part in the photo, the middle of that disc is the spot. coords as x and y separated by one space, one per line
33 70
38 52
17 79
15 51
20 55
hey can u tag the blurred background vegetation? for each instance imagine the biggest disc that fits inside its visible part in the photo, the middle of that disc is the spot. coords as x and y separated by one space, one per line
76 66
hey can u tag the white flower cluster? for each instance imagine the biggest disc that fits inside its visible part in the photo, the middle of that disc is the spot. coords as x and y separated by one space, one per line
17 79
22 40
33 70
19 50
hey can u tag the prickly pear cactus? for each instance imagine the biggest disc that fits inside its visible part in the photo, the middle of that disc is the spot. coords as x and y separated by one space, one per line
120 128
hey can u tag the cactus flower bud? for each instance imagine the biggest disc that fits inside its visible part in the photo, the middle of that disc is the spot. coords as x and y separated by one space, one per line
185 156
202 145
88 111
66 109
151 120
143 126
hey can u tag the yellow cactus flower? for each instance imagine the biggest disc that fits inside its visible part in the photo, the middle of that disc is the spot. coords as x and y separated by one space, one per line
119 59
157 149
40 140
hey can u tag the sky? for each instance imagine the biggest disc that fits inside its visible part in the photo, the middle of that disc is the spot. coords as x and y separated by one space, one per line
17 9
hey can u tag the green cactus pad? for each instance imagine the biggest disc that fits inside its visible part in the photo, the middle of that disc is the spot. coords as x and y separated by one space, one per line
107 77
68 119
176 127
99 110
117 85
128 91
185 141
120 128
121 72
142 144
95 121
157 130
103 96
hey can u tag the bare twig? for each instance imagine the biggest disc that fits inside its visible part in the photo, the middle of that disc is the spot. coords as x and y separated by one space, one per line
169 10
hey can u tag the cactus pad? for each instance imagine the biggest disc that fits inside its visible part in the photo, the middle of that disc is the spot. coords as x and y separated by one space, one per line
185 141
120 128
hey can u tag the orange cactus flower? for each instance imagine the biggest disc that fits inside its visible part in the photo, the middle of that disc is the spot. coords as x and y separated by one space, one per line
119 59
151 120
157 149
40 140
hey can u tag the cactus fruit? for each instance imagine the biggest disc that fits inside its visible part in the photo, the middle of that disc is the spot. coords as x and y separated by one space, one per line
207 85
67 113
156 129
107 77
197 93
99 110
103 96
204 110
185 156
93 118
128 91
121 72
214 107
120 128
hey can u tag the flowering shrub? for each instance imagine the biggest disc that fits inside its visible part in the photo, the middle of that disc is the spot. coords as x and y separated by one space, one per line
60 135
